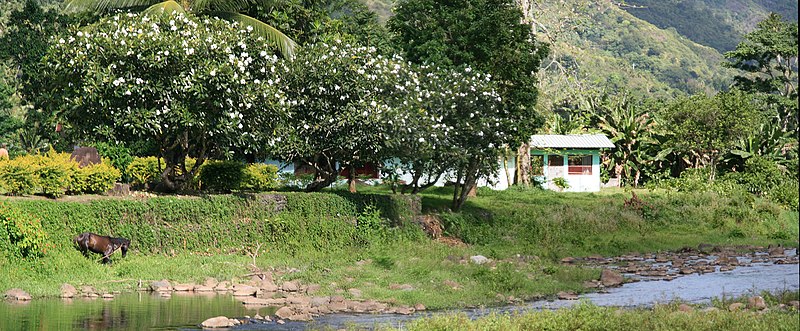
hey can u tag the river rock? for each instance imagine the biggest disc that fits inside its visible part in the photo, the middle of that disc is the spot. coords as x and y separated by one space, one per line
419 307
356 293
568 260
610 278
244 290
203 288
222 286
108 296
183 287
284 312
88 291
319 301
479 259
404 310
17 294
218 322
211 282
776 251
68 291
292 286
313 288
756 302
161 286
736 306
402 287
567 295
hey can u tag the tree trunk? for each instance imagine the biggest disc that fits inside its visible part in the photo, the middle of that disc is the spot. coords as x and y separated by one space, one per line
325 173
523 174
351 179
470 180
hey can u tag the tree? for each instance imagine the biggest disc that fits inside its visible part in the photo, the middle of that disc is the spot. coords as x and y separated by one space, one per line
487 35
706 128
193 87
349 102
768 57
226 9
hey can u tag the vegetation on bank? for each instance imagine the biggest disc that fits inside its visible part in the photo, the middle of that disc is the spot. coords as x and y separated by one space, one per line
589 317
367 241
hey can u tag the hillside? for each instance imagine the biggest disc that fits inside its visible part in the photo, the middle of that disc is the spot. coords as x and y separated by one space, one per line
715 23
600 45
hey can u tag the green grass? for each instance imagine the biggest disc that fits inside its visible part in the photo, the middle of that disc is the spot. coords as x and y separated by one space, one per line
525 232
590 317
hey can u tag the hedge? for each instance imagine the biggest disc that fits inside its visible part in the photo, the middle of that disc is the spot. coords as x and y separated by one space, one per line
217 223
53 174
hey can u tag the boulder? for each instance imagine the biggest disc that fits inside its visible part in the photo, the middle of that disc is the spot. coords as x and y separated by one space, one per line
244 290
211 282
203 288
68 291
313 288
756 302
419 307
218 322
567 295
568 260
17 294
479 259
404 310
611 278
183 287
88 291
292 286
284 313
319 301
161 286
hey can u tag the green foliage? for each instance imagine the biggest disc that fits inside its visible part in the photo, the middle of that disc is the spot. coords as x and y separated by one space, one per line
118 155
194 88
222 176
561 183
22 232
143 170
16 177
95 178
260 177
454 34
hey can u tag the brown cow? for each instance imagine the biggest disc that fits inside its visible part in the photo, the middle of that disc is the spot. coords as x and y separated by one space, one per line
88 241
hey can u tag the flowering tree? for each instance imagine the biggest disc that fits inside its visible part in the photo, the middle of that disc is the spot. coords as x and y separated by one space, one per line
349 104
463 126
192 86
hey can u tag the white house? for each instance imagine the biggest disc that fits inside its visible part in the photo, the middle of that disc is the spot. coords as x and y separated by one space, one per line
575 158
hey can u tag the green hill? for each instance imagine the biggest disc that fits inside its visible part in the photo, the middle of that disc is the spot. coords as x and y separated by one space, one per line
716 23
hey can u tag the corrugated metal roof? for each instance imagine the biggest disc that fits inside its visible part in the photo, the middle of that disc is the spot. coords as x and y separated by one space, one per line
571 141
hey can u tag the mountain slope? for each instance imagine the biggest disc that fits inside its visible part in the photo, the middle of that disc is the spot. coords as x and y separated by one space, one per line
716 23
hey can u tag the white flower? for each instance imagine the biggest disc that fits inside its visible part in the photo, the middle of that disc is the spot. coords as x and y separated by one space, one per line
213 72
422 140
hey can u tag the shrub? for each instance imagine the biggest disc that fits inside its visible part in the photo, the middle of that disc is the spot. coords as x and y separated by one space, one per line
119 156
96 178
24 233
17 176
222 176
143 170
561 183
260 177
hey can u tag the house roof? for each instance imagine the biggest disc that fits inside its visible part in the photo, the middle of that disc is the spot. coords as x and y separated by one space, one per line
571 141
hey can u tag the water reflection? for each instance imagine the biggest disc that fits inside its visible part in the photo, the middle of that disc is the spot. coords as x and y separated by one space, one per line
135 311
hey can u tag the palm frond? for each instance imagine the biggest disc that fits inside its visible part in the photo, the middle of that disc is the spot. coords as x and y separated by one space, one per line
74 6
285 44
166 7
221 5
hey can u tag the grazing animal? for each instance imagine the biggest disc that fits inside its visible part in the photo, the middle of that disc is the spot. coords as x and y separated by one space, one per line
101 245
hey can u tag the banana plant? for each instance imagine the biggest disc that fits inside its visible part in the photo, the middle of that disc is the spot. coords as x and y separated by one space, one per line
224 9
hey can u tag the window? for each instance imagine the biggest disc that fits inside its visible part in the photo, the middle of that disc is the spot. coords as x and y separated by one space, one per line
555 161
580 165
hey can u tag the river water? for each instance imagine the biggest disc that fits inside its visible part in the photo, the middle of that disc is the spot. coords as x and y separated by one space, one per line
145 311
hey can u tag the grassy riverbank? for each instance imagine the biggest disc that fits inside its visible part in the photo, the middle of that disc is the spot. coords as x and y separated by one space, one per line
589 317
338 241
